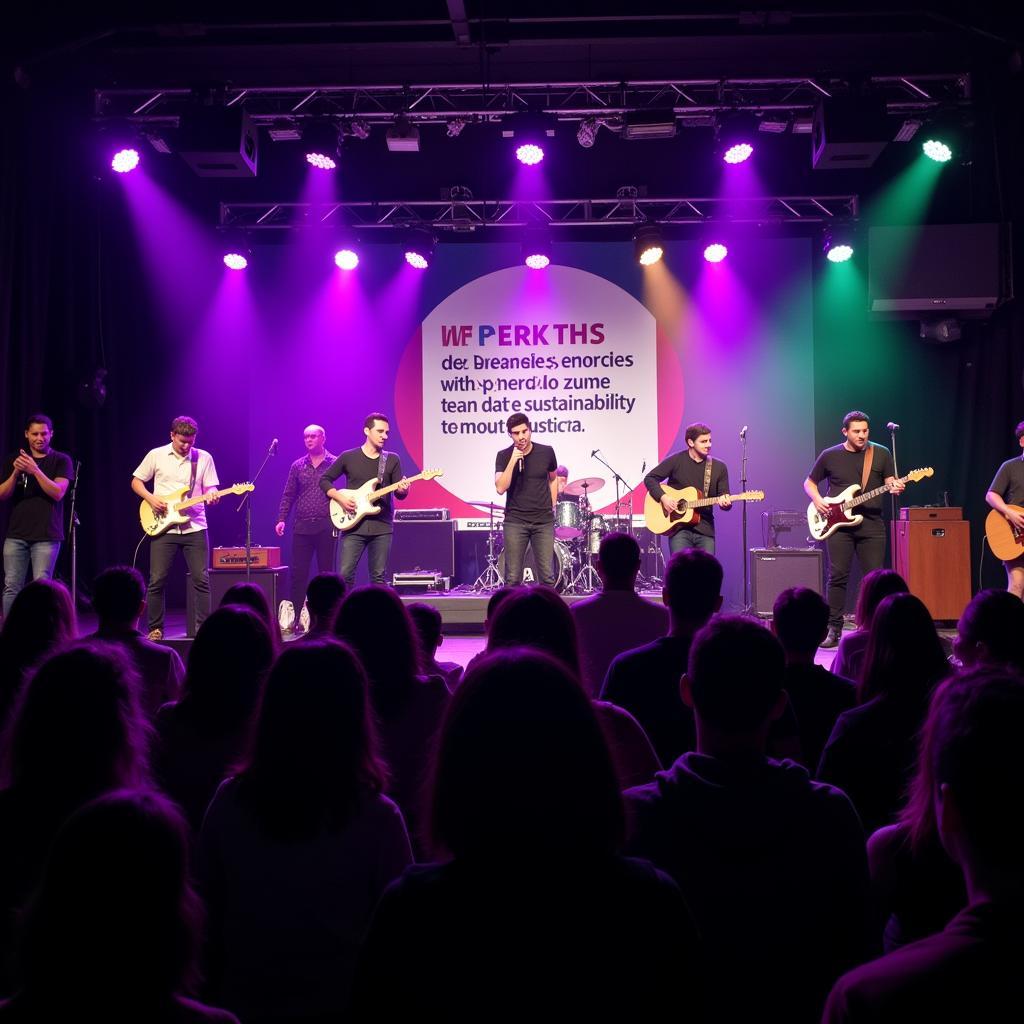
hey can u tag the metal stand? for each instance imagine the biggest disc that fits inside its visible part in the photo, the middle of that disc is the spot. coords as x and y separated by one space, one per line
586 581
894 506
247 505
490 579
743 526
73 524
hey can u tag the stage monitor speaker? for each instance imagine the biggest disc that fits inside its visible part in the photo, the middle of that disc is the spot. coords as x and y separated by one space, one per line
270 581
427 546
934 556
773 570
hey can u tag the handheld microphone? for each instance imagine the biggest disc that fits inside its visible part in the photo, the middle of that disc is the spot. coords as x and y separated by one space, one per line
273 447
743 433
521 464
24 480
892 426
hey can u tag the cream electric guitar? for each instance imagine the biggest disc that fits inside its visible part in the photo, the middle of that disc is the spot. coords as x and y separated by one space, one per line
687 500
838 515
154 522
366 499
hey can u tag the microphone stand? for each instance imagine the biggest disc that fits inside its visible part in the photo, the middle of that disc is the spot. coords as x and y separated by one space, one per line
619 481
743 526
893 504
247 505
73 525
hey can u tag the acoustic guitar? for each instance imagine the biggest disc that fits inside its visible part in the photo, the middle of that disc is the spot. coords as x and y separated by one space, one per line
1005 539
688 500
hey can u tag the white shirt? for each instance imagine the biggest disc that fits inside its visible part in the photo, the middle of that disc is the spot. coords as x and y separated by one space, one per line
170 471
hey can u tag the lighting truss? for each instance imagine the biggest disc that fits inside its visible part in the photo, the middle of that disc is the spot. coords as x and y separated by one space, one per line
467 215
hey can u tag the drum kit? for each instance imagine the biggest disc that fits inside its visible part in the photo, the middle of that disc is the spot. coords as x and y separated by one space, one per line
578 533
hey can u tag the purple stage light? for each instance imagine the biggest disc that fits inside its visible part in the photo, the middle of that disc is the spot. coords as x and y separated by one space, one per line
738 153
125 160
529 153
235 261
320 161
537 261
417 260
715 253
346 259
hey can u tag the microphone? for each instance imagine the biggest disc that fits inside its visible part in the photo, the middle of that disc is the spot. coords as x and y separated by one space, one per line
644 466
24 480
743 433
892 426
273 447
521 464
594 452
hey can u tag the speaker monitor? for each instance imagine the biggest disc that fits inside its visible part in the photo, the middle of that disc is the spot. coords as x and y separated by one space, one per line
773 570
270 581
423 546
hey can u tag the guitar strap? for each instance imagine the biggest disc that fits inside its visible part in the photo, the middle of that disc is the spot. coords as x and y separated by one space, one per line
192 479
380 467
707 476
868 455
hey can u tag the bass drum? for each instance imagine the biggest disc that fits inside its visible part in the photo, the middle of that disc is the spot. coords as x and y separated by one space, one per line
563 567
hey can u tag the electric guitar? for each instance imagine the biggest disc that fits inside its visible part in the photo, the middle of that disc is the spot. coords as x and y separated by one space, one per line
687 500
154 522
823 525
1005 539
366 499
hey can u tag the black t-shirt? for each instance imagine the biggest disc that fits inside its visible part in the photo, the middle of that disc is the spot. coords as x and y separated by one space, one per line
357 467
679 471
528 499
34 514
843 467
1009 481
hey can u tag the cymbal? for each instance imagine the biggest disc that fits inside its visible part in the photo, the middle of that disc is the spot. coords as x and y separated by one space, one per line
585 485
488 505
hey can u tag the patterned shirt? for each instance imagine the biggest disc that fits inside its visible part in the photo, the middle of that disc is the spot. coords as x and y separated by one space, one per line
302 492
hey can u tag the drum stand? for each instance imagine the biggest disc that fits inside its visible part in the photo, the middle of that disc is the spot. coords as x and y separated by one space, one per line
586 581
490 579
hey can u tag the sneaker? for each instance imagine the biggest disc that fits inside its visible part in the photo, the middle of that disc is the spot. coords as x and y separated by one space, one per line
833 638
156 634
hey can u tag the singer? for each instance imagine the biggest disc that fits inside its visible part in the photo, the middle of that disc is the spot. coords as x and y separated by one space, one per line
358 465
693 467
527 473
171 467
36 482
313 530
868 465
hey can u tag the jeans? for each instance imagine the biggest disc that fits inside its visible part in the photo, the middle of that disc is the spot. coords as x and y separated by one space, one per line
377 546
18 556
304 546
867 541
541 539
194 544
684 539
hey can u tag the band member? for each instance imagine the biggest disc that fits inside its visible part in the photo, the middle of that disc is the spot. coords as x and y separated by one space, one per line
526 472
36 480
843 465
1008 489
313 530
561 480
692 468
367 462
172 467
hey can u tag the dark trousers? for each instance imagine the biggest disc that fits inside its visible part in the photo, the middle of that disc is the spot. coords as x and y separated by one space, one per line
684 539
867 541
304 546
377 547
542 541
194 544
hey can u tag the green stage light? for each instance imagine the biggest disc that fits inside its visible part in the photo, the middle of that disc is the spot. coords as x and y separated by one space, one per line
937 151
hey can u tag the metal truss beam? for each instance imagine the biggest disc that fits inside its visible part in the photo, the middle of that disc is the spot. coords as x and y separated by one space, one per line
468 215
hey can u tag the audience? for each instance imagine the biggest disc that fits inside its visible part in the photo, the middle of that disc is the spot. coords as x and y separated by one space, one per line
870 754
76 732
990 633
537 617
113 932
818 698
297 847
323 596
204 733
970 971
119 598
771 864
876 585
251 595
408 706
428 624
617 619
532 912
41 620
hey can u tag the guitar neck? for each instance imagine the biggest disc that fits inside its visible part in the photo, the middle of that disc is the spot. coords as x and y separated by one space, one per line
200 498
704 502
868 495
374 495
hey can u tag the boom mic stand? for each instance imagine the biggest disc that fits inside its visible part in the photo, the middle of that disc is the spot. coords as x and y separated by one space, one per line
743 526
247 505
893 499
73 524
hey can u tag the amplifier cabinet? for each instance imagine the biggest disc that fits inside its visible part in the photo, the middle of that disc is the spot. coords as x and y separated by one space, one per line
773 570
423 546
231 558
270 581
934 557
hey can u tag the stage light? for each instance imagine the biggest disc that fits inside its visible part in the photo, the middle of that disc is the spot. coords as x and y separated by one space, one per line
320 161
738 153
716 252
346 259
938 151
454 127
125 160
419 249
403 137
536 248
648 246
529 153
235 261
537 261
839 253
358 128
586 134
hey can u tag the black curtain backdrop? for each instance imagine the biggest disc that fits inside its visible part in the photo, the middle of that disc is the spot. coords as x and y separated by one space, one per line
73 298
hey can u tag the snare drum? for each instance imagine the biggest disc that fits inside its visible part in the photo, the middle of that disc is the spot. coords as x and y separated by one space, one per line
567 519
562 567
595 531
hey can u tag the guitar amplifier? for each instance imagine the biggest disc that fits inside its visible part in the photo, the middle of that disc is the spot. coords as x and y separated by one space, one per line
773 570
422 515
233 558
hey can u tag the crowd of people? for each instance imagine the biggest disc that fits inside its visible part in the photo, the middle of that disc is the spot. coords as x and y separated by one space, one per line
693 819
